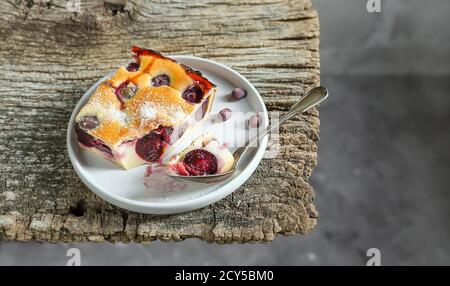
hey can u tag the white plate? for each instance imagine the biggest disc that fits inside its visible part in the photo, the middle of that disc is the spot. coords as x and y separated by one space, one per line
159 194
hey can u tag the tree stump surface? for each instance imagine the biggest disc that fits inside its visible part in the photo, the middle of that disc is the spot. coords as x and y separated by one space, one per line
51 54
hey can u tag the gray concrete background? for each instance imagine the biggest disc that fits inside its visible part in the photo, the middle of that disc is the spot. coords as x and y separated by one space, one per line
384 159
407 37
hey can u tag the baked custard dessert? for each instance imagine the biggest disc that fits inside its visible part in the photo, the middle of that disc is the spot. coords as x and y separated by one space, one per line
134 116
205 156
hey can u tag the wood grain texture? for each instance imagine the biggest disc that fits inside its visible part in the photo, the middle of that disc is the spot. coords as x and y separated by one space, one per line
50 56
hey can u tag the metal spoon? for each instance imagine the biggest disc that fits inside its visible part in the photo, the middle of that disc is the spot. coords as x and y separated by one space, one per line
309 100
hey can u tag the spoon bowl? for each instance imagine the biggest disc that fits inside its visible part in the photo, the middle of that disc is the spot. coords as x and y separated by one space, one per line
312 98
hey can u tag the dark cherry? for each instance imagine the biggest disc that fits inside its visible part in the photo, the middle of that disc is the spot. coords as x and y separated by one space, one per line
161 80
200 113
89 141
103 147
127 91
193 94
89 122
163 132
151 146
83 137
254 121
200 162
225 114
238 93
205 107
132 67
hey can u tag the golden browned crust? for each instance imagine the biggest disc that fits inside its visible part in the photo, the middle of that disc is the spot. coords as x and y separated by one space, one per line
126 119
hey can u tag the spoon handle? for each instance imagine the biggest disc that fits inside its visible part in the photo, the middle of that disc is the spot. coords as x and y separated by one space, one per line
309 100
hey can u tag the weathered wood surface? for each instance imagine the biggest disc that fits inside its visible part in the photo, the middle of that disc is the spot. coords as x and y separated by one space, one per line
50 56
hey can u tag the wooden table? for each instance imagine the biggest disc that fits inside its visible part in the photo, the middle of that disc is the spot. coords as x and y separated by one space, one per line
50 55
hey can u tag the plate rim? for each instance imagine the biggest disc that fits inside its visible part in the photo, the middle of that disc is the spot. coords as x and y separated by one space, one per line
181 206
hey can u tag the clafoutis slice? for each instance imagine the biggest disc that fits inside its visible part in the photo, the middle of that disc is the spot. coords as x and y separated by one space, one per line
144 109
205 156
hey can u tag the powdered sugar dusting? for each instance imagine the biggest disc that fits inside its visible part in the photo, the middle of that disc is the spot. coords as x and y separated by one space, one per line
109 113
117 115
148 111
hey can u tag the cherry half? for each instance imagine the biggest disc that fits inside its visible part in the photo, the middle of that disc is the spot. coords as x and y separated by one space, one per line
89 141
161 80
83 137
151 146
193 94
132 67
200 162
125 91
89 122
